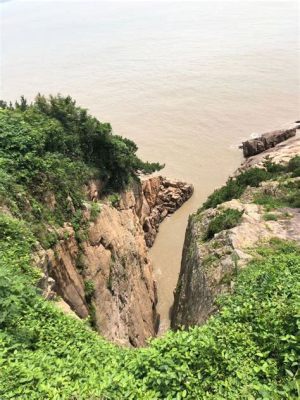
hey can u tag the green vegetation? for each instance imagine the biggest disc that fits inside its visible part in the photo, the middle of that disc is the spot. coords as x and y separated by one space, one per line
288 196
89 289
248 351
270 217
294 166
269 202
235 187
95 211
48 150
227 219
114 199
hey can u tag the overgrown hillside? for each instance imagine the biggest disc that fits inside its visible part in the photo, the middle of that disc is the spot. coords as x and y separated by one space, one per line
53 147
249 350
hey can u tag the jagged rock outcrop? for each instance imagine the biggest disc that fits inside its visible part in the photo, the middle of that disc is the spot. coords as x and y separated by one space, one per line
208 267
266 141
107 273
280 154
161 197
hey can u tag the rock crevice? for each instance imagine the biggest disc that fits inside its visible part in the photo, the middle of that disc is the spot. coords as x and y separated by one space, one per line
108 274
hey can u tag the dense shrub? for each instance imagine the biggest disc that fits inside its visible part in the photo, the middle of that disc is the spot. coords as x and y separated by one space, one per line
58 126
51 148
235 187
227 219
248 351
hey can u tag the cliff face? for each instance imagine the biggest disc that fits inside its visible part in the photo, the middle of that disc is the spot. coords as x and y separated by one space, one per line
108 275
209 267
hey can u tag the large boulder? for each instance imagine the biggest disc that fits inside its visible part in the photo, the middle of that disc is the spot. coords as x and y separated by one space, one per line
266 141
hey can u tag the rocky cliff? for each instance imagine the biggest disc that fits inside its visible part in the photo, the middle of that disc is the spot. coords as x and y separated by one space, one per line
210 262
106 274
161 197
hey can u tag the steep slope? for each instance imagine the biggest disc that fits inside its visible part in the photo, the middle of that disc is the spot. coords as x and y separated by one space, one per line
107 274
263 203
248 350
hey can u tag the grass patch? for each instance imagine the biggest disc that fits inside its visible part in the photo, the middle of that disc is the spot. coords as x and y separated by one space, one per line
294 166
235 187
114 199
228 219
270 217
290 197
269 202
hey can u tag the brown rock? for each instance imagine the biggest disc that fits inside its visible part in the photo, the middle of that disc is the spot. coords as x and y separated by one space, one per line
266 141
161 197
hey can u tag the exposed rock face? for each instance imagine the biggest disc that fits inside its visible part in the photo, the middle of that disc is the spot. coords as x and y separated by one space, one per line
108 275
115 262
161 197
266 141
280 154
208 267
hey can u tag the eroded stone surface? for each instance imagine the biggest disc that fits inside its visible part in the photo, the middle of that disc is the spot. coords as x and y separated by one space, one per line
161 197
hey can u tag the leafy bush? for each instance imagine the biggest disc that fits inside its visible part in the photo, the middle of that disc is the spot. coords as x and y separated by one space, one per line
289 196
95 211
274 168
249 350
228 219
114 199
89 289
235 187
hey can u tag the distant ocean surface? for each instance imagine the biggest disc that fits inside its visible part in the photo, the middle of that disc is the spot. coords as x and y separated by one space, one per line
187 81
